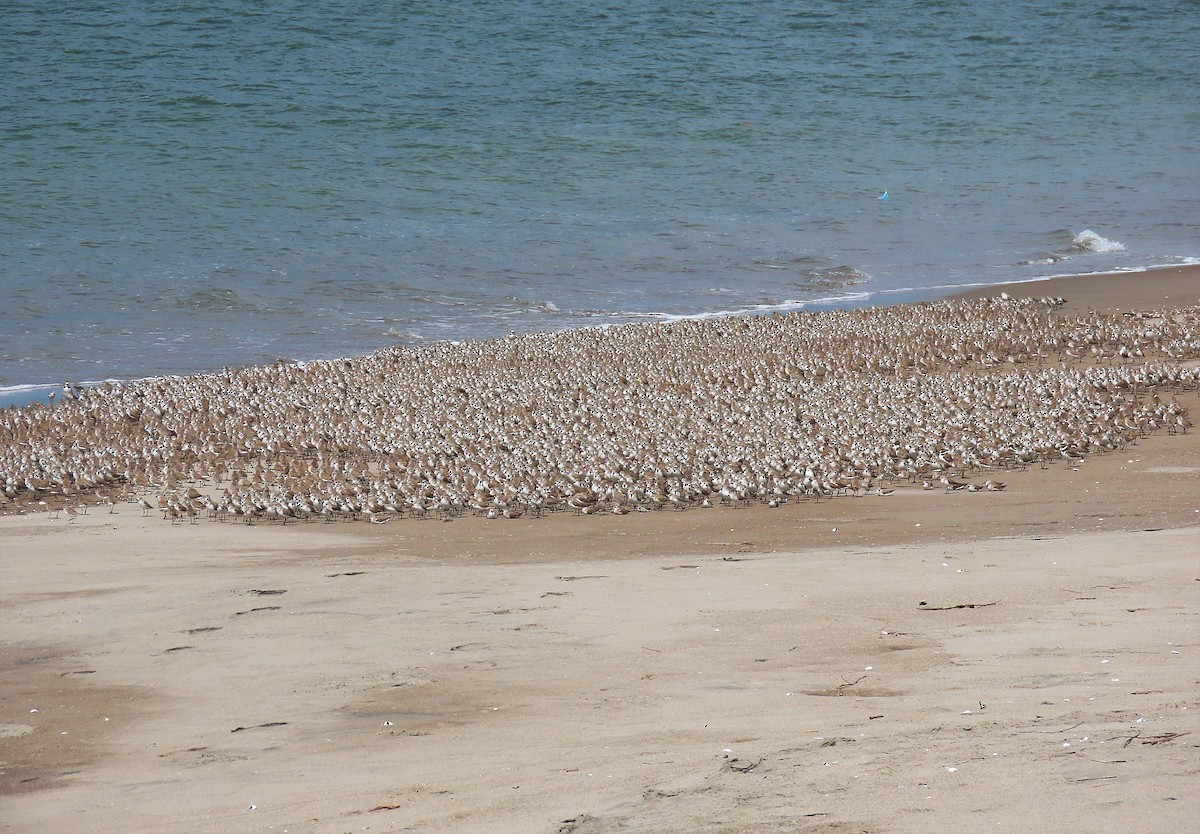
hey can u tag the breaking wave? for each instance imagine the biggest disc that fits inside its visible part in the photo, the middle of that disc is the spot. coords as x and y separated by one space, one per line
1089 241
835 277
1085 242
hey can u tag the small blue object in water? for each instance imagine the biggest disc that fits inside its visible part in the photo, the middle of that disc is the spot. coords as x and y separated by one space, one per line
883 196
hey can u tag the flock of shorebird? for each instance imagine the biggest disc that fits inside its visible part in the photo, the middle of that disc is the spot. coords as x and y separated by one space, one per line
696 413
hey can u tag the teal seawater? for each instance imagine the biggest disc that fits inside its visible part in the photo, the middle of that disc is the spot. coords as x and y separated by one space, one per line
187 186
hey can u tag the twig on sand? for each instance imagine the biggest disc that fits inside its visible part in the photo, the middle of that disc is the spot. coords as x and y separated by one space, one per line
1164 738
1063 730
1094 778
259 726
924 606
848 684
260 608
1128 739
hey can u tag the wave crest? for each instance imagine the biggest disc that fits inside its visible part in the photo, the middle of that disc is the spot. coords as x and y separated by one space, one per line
834 277
1068 244
1089 241
534 305
218 299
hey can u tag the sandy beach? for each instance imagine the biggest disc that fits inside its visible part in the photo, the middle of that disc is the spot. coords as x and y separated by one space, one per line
923 660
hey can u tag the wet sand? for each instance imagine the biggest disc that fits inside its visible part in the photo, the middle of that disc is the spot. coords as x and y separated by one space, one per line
1020 660
1177 286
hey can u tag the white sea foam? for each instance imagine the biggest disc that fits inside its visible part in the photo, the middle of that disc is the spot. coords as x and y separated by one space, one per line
950 289
1046 260
834 277
18 389
1089 241
535 305
850 299
1085 242
26 394
46 387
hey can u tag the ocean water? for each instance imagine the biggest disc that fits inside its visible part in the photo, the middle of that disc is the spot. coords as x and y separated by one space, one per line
189 186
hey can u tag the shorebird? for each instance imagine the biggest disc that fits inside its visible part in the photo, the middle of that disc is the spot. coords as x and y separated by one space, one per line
582 502
1071 455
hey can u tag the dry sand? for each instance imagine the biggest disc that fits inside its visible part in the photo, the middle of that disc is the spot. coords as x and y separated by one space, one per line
807 668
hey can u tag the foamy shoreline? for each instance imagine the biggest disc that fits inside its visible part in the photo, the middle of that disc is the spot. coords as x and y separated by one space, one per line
27 393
